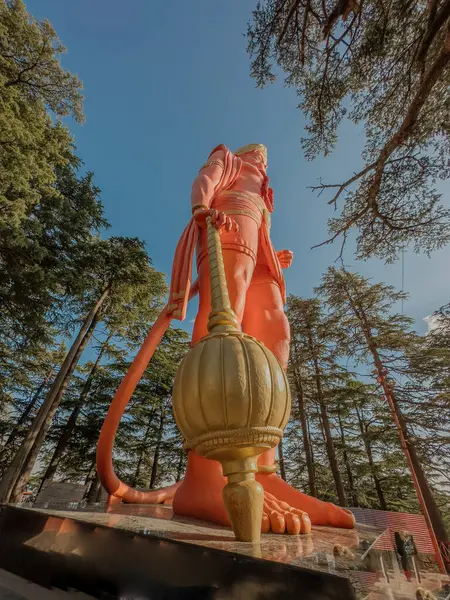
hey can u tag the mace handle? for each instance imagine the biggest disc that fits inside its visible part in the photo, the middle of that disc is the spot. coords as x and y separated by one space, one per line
222 316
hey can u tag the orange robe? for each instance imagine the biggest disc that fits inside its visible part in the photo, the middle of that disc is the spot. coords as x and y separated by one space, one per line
184 254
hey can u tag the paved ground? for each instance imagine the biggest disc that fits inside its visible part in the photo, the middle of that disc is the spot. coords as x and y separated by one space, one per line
13 587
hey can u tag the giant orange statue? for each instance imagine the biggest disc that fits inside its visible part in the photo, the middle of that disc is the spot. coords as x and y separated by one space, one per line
232 194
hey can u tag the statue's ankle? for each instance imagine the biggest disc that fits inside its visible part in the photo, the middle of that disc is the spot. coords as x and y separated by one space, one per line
267 469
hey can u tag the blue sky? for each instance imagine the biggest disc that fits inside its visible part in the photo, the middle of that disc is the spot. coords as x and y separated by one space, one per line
164 83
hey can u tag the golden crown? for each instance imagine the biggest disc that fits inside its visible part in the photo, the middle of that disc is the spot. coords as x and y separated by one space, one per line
253 148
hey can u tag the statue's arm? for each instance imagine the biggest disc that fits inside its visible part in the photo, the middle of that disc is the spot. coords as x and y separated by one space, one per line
206 181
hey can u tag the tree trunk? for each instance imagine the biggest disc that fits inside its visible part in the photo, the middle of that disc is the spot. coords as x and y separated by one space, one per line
88 479
24 416
371 462
331 451
351 481
308 427
99 493
17 466
60 447
143 449
406 442
305 434
94 490
413 460
23 477
181 464
72 421
281 460
138 468
157 449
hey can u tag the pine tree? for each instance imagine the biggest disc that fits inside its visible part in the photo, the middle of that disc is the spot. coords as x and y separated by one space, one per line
299 383
47 211
364 310
428 391
24 385
313 339
72 420
120 276
373 470
362 399
44 209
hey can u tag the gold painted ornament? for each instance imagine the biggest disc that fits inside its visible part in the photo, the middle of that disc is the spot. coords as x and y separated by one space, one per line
231 401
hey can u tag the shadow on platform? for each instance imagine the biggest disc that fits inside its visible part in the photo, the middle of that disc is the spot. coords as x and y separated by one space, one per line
107 556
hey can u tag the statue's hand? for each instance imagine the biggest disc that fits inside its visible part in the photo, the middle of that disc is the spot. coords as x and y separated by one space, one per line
220 220
285 257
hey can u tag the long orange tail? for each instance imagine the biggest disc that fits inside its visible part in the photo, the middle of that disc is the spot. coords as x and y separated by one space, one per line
105 468
182 268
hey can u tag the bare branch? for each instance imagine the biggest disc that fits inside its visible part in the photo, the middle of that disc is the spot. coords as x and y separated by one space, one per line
342 186
343 229
292 9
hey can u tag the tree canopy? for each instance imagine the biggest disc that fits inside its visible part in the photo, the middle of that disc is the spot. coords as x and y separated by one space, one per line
35 92
384 65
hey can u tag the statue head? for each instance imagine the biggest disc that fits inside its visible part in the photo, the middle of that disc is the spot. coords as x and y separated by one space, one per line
257 149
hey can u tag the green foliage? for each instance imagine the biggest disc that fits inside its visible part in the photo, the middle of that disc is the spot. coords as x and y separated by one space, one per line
30 60
122 266
363 308
32 82
39 260
24 380
46 210
54 266
383 65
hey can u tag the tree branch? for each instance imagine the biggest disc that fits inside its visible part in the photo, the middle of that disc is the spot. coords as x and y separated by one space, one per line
294 5
410 119
342 8
436 20
26 69
342 186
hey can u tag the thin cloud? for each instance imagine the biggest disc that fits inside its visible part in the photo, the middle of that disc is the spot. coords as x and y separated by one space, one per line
433 322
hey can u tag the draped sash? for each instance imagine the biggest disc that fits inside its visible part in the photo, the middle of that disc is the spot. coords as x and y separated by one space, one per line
181 281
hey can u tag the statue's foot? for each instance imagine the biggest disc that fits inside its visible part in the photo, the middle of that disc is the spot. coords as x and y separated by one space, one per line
286 510
320 513
279 517
200 497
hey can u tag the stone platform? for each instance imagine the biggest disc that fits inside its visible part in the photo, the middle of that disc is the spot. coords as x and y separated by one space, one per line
143 552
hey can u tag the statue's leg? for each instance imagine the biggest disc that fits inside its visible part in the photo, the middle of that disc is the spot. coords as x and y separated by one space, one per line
200 495
239 270
265 319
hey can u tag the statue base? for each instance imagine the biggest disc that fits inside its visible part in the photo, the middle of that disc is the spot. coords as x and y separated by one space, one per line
144 551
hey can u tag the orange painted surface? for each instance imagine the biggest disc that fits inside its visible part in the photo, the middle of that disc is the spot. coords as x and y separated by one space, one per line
234 190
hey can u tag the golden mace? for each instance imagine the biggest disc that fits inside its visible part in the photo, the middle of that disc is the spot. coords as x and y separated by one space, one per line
231 401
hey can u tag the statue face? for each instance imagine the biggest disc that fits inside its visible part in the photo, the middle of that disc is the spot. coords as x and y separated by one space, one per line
255 158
